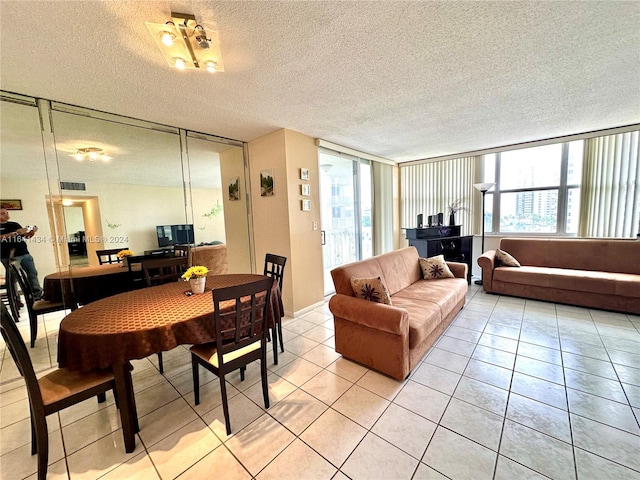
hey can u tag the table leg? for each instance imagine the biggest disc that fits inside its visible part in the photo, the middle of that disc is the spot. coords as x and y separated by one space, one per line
127 404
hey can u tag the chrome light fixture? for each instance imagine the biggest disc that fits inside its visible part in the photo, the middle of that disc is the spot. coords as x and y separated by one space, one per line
186 45
91 154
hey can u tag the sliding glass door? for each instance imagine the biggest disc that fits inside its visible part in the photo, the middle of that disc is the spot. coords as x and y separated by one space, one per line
345 199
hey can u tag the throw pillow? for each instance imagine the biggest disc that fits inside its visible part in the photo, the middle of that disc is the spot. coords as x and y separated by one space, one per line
503 259
434 268
371 289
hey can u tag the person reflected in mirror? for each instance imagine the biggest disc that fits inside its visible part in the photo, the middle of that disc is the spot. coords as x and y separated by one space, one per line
13 248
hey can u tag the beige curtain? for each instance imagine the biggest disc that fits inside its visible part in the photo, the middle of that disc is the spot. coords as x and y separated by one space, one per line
382 207
429 188
610 192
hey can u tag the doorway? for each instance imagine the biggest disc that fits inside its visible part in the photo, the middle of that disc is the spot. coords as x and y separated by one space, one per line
345 211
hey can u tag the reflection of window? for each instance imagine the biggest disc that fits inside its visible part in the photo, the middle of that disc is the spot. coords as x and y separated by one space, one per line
537 189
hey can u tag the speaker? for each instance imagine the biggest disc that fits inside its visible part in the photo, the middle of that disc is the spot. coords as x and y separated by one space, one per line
420 224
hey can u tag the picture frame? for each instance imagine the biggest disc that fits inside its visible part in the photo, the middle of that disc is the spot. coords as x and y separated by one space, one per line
234 189
11 204
306 205
305 190
304 174
266 183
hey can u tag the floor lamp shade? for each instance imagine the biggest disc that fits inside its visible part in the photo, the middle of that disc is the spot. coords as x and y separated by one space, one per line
483 187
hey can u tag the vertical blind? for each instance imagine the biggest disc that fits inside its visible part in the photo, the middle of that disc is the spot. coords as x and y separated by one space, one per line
610 194
429 188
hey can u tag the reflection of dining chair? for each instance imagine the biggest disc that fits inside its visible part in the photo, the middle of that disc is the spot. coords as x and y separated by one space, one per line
163 270
241 338
274 267
110 255
10 296
181 250
34 307
51 393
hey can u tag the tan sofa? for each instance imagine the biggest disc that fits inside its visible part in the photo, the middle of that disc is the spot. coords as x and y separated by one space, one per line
214 257
393 338
598 273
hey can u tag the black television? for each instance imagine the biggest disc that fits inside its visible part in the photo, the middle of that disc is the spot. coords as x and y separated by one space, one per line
169 235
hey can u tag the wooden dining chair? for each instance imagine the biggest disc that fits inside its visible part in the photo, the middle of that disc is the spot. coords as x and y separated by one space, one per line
109 255
274 268
34 307
163 270
51 393
240 317
10 295
181 250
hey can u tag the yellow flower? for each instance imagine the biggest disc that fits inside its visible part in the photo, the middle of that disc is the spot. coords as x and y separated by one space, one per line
124 253
197 271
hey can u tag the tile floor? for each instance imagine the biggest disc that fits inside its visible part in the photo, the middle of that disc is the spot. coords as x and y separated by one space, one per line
513 389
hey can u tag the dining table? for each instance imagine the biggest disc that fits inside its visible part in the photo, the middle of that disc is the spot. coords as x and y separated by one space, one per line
110 332
83 285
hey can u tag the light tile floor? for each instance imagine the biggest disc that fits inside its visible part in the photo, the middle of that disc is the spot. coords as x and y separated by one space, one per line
513 389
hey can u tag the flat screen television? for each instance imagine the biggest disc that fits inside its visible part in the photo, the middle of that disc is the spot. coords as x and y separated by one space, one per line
169 235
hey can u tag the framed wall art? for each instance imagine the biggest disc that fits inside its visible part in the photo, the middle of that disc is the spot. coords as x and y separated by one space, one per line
304 174
305 189
306 205
266 183
234 189
11 204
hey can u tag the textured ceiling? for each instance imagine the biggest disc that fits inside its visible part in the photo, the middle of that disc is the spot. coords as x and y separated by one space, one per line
401 80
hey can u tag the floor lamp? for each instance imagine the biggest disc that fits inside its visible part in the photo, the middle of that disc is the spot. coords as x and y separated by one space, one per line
483 187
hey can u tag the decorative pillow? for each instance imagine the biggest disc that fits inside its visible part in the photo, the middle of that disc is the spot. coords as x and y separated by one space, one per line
434 268
371 289
503 259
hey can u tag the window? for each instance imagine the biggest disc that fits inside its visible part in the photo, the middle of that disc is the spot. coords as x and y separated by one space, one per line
537 191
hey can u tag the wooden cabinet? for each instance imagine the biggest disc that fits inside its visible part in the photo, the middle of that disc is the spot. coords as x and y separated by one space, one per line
443 240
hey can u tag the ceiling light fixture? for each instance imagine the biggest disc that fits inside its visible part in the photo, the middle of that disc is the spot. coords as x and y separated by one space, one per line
91 154
185 44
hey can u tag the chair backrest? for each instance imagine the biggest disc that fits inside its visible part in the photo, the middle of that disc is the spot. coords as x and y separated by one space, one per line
274 267
19 275
110 255
163 270
13 296
20 354
181 250
244 323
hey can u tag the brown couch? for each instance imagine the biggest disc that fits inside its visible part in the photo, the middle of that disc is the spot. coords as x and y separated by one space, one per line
598 273
393 338
214 257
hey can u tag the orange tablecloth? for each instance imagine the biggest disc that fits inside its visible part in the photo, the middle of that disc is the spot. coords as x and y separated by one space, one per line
136 324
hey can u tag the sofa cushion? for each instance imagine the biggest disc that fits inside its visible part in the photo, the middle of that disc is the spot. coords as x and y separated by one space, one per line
371 289
503 259
566 279
434 268
427 303
424 317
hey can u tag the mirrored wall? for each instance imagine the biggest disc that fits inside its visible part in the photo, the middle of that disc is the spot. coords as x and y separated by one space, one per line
91 180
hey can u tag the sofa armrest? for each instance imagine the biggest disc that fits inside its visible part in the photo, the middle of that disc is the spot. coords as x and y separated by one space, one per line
458 269
487 261
374 315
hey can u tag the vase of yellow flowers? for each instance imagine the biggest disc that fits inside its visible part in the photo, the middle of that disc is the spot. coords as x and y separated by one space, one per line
196 276
124 255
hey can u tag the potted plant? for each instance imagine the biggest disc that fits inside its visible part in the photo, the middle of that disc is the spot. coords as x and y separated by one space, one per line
196 277
454 207
123 256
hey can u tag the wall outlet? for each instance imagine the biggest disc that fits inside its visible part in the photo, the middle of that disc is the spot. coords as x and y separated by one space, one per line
314 225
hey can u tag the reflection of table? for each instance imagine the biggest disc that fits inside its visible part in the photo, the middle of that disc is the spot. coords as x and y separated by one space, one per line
133 325
84 285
